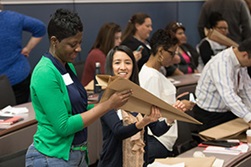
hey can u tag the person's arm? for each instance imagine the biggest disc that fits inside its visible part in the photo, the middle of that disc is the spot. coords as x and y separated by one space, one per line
205 51
177 72
30 45
36 28
115 101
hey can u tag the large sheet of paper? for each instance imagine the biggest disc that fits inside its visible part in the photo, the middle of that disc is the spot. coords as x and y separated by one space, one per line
222 39
141 100
189 162
227 130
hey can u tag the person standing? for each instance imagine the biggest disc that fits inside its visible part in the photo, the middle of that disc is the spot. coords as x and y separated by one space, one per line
236 14
13 56
60 100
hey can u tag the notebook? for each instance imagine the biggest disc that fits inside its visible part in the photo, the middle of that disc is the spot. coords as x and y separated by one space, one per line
11 120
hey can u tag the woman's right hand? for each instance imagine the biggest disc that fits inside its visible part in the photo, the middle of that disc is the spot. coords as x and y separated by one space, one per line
152 117
118 99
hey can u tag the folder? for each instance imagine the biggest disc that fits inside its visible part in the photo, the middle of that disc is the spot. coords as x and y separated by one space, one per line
141 100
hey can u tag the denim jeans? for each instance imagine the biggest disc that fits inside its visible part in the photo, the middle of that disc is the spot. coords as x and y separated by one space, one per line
36 159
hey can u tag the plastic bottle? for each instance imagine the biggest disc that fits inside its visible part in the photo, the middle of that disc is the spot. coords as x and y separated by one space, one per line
97 89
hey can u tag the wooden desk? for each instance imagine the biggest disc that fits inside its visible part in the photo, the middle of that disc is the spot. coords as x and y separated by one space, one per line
185 80
15 140
242 160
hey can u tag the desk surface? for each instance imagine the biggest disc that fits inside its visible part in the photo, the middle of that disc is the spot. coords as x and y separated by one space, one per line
184 80
229 160
29 119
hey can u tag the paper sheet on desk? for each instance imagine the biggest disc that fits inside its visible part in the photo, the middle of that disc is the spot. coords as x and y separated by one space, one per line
10 111
228 130
157 164
141 100
189 162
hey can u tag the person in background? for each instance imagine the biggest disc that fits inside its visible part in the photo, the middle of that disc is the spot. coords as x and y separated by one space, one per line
60 100
13 56
236 14
224 91
108 37
136 34
163 45
188 55
124 133
207 47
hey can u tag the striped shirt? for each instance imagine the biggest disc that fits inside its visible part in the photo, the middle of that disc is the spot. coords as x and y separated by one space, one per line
221 89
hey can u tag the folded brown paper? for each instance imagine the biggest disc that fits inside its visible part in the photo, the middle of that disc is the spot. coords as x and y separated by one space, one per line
230 129
222 39
90 85
189 162
141 100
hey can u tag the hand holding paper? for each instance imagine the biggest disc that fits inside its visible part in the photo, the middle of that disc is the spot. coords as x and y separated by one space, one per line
141 100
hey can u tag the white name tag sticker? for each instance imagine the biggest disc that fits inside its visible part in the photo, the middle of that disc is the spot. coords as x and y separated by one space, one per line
67 79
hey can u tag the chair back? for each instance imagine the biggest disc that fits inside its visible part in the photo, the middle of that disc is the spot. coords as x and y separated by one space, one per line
7 96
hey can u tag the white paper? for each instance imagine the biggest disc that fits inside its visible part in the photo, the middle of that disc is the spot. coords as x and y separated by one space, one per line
157 164
10 111
242 148
218 163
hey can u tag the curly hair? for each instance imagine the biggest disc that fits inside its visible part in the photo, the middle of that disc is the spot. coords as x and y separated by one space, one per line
64 24
162 38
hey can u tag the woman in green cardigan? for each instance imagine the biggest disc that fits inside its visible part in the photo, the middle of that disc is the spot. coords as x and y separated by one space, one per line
60 101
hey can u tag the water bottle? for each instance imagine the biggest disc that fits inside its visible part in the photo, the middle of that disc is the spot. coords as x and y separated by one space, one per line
97 89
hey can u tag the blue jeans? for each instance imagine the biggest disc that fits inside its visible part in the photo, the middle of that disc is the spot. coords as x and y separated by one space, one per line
36 159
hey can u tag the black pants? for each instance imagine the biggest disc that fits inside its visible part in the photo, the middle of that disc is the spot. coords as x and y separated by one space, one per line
22 90
210 119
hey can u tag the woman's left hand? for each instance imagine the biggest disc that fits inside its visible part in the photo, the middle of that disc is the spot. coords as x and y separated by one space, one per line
180 105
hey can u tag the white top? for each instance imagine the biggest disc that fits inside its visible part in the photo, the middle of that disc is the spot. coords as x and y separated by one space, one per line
218 89
157 84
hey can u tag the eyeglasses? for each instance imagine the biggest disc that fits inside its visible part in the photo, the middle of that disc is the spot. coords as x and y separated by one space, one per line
222 28
171 53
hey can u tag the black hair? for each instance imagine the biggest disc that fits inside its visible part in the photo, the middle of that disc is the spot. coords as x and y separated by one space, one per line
109 60
162 38
64 24
214 18
245 46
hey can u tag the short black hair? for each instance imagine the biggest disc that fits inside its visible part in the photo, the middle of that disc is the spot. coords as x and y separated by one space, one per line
214 18
245 46
162 38
109 59
64 24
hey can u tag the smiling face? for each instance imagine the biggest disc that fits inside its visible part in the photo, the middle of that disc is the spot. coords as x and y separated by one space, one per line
122 65
67 49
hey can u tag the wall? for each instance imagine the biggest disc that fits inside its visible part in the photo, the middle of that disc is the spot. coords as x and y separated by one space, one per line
94 15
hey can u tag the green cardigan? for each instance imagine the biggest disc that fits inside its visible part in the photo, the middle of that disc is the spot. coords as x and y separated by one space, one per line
56 124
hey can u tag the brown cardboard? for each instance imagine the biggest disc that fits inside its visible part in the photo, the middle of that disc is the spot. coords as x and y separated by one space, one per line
230 129
220 38
90 86
189 162
141 100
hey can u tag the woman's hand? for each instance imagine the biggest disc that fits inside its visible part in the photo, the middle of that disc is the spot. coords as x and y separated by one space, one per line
152 117
118 99
137 55
179 105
